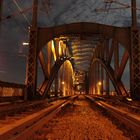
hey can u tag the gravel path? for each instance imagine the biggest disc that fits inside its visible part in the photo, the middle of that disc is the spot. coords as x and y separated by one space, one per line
80 122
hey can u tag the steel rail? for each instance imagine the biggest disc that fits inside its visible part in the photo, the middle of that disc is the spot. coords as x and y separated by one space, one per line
119 100
124 117
24 128
20 105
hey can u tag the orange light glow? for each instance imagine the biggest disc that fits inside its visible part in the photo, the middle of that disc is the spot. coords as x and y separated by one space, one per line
53 50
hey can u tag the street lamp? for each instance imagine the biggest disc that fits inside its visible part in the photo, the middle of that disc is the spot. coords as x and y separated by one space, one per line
25 44
99 83
63 83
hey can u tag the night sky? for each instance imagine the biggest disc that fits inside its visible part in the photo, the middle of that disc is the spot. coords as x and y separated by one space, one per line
14 31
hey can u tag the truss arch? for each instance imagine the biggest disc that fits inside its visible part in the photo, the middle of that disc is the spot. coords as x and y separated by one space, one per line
121 34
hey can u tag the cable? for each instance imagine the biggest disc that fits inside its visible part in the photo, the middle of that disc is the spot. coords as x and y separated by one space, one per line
123 6
16 13
20 11
46 5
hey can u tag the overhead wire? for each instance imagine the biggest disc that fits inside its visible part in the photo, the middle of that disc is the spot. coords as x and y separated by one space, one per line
108 7
123 6
20 11
16 13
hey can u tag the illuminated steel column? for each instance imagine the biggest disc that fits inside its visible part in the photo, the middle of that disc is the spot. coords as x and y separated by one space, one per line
49 56
135 55
56 45
94 79
61 79
102 77
32 57
100 81
102 68
96 70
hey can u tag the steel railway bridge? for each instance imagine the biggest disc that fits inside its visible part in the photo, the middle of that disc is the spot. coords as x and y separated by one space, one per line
79 56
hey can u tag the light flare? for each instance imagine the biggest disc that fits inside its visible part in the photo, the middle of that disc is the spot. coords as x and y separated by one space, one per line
53 49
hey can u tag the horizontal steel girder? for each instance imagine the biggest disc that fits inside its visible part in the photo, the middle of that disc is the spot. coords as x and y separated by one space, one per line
120 34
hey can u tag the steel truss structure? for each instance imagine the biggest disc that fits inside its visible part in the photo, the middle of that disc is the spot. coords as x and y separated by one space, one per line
100 67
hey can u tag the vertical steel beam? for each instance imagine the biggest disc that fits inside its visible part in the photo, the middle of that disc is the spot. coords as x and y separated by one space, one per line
107 60
1 7
49 55
95 75
135 55
134 14
61 78
32 57
92 80
102 79
116 58
56 85
98 75
86 83
56 45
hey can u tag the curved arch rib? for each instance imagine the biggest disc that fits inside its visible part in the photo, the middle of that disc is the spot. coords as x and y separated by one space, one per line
116 82
121 34
47 83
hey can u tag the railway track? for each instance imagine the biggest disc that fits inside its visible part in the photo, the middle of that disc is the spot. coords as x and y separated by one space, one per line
130 120
9 108
116 101
33 125
22 128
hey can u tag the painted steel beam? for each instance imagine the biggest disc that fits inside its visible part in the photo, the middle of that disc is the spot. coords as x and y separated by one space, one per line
111 50
117 83
122 64
49 55
120 34
116 57
32 56
54 71
43 64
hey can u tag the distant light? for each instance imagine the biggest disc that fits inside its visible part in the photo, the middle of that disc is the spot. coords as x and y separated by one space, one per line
25 43
129 99
63 83
99 83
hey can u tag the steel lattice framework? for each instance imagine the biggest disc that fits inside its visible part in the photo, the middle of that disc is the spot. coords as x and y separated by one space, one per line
100 66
